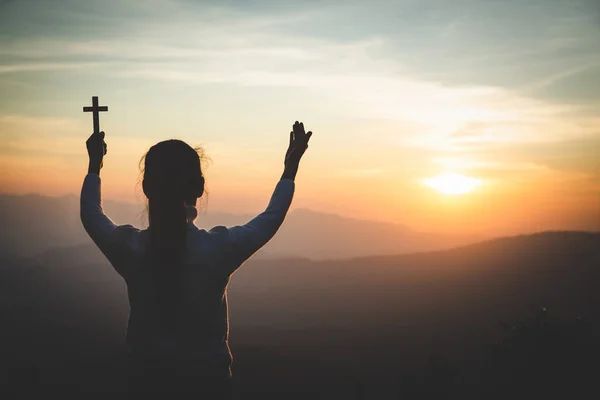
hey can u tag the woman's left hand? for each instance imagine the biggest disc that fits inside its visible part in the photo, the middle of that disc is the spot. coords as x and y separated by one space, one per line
298 145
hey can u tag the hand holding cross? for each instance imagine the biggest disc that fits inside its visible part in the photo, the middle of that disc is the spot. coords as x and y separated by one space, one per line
96 145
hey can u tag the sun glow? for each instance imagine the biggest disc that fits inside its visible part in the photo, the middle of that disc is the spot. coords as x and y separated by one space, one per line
451 183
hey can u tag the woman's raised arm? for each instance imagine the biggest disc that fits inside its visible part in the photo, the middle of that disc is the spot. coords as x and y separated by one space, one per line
247 239
111 239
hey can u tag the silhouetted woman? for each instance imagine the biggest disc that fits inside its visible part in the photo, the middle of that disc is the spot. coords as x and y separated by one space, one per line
177 274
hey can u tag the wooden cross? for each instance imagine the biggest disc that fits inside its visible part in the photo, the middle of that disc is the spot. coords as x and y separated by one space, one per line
95 109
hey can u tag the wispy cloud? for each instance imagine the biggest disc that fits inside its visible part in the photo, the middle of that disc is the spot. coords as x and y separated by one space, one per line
477 85
362 172
27 136
44 66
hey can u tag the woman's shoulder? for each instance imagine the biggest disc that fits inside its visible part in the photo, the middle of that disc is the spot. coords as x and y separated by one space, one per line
214 235
128 235
218 230
208 243
124 232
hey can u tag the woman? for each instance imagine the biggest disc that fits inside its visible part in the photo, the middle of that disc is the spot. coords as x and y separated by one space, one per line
177 274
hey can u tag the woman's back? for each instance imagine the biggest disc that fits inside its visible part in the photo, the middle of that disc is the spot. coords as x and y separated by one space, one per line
191 328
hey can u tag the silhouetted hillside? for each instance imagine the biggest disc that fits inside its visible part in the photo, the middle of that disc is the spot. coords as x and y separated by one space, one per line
319 236
39 223
370 325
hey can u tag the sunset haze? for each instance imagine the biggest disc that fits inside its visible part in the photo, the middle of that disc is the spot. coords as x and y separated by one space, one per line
504 94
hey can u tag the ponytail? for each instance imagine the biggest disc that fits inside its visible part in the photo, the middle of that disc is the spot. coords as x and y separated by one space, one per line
172 177
168 228
166 246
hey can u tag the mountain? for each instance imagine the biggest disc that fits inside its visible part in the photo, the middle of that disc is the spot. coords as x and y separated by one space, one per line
312 326
319 236
34 223
500 278
37 224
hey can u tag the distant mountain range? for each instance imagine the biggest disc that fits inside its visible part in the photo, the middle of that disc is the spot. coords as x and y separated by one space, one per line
503 278
33 224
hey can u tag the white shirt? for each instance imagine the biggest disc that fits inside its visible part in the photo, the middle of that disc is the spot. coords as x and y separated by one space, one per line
210 258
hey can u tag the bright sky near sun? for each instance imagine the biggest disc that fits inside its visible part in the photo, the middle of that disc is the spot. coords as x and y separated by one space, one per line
466 116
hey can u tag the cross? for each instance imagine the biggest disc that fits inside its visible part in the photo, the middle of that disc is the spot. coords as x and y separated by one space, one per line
95 109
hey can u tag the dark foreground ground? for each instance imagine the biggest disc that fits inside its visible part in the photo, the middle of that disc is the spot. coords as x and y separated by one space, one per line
511 318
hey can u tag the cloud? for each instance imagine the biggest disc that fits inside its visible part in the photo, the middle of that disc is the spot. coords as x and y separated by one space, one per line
513 45
567 159
581 85
36 67
467 164
50 137
471 78
362 172
510 44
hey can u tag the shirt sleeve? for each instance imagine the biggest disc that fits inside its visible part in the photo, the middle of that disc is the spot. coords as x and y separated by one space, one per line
245 240
113 240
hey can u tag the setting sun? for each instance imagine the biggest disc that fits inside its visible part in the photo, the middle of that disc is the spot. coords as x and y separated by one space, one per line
452 183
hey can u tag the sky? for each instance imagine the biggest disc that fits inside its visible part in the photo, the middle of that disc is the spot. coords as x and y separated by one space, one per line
506 93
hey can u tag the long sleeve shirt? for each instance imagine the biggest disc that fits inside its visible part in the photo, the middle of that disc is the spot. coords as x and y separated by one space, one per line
210 258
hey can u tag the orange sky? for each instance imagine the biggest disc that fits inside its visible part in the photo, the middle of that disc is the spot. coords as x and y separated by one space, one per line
390 106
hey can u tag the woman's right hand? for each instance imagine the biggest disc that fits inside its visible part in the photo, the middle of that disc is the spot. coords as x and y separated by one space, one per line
298 145
96 147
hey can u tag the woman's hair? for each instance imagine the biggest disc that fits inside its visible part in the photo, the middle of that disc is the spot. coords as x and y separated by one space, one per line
172 178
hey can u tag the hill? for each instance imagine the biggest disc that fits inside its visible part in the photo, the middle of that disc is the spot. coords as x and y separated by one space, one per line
301 325
39 223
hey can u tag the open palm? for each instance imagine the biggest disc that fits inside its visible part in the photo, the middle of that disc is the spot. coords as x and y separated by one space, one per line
298 144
